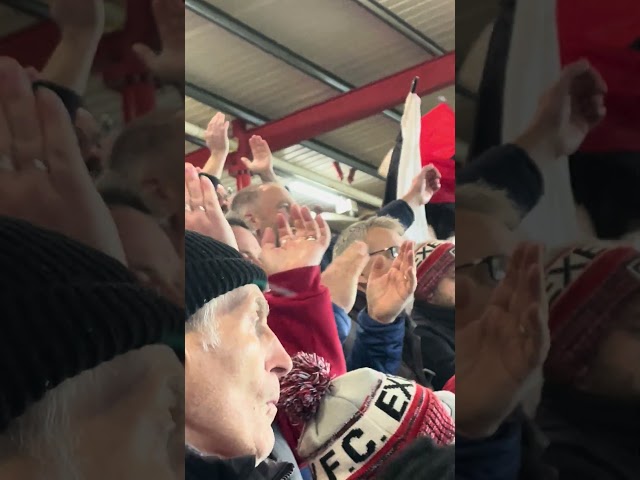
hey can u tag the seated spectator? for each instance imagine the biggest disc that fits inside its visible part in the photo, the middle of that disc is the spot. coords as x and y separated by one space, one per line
356 423
592 367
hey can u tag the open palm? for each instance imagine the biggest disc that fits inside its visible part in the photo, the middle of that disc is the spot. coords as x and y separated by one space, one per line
168 65
44 179
500 353
262 162
304 248
388 293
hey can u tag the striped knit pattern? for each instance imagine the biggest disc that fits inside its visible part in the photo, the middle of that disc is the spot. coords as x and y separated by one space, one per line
67 308
213 269
585 287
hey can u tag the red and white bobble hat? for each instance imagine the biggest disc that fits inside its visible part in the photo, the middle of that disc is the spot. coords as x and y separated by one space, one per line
586 287
354 424
433 260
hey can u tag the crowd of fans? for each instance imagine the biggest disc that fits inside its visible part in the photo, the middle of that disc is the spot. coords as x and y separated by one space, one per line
303 356
573 352
304 353
92 284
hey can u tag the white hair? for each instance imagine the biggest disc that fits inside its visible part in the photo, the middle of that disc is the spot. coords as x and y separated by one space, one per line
44 432
359 230
205 320
483 199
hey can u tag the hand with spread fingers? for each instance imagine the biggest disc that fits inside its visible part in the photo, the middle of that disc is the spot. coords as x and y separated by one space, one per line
217 138
202 211
168 65
500 354
43 178
341 277
389 292
304 248
262 163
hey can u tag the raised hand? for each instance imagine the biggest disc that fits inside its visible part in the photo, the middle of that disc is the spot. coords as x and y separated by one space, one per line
304 248
43 178
262 163
341 277
202 211
423 187
388 293
217 138
168 65
501 353
568 111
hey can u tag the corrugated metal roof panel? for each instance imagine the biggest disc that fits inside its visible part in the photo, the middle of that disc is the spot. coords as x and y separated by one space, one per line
244 74
434 18
337 35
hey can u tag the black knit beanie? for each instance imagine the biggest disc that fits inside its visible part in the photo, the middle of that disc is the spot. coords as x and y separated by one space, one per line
212 269
66 308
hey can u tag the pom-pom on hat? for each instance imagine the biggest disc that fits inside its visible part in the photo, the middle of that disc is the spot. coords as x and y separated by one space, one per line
433 259
355 423
585 287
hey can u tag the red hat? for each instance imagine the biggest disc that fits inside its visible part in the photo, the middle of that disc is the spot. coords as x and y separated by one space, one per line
585 286
438 146
604 32
354 424
433 260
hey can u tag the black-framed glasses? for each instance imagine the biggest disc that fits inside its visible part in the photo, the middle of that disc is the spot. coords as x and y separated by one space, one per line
392 251
496 265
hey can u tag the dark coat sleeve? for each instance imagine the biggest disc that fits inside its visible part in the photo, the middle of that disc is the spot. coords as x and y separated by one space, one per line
507 167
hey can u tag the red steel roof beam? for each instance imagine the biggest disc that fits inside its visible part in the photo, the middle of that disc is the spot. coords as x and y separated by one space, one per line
358 104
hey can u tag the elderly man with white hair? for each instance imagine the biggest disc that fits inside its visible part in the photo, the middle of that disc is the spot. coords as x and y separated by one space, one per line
233 363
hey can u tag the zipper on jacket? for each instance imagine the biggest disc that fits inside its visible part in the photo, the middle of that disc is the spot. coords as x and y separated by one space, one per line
285 473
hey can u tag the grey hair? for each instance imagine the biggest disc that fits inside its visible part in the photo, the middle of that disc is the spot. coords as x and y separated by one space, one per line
245 199
205 320
483 199
44 432
359 230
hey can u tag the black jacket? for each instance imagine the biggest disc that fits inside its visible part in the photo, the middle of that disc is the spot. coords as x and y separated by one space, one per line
436 327
507 167
590 437
242 468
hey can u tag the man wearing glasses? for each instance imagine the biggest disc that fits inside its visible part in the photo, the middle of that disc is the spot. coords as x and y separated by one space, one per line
385 294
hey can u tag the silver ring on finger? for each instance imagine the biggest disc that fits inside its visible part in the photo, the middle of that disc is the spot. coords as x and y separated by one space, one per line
311 238
187 207
200 207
